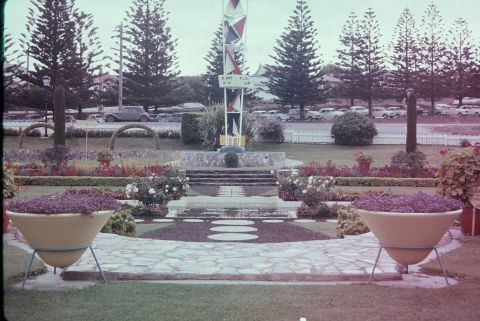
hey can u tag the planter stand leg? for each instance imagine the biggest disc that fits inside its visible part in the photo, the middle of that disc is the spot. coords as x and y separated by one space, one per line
98 265
54 270
28 268
441 266
376 261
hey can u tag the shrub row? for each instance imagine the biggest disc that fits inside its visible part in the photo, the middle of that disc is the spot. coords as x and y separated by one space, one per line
97 133
386 181
16 132
190 129
73 180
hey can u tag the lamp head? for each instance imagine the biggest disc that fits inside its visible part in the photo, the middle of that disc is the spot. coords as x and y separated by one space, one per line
46 81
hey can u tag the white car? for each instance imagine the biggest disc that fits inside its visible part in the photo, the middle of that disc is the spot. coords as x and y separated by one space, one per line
467 101
359 110
382 112
399 112
97 117
294 114
468 110
457 111
330 113
258 113
276 114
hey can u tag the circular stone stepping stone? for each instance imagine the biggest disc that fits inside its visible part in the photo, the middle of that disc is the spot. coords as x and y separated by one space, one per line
332 221
163 220
233 229
232 237
272 221
304 221
233 222
138 220
193 220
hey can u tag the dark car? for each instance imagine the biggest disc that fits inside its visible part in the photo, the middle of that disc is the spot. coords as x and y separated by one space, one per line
128 113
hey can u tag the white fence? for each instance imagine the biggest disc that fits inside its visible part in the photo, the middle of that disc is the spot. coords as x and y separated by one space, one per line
323 137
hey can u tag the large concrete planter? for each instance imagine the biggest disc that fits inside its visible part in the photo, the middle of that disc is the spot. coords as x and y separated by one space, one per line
60 231
409 230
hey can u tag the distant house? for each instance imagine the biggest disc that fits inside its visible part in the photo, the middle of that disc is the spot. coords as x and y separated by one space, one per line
330 81
104 82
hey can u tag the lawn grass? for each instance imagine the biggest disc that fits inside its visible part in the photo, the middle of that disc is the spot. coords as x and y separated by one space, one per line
325 228
15 262
142 229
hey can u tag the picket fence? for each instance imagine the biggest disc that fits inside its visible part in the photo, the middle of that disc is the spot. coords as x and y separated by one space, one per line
323 137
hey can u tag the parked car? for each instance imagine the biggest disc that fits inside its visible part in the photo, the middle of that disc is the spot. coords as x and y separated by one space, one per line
382 112
175 117
330 113
294 114
35 117
441 109
359 110
469 110
128 113
275 114
467 101
258 113
68 119
97 117
399 112
159 117
457 112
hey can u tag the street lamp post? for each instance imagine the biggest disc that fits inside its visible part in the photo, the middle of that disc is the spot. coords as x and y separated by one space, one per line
46 84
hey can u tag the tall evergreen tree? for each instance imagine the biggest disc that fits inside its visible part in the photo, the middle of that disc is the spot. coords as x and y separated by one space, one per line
460 63
296 77
432 53
348 59
214 59
371 64
405 56
10 69
150 59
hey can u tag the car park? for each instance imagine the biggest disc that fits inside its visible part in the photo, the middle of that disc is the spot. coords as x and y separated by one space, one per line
294 114
330 113
276 114
468 110
456 112
97 117
128 113
399 112
382 112
35 117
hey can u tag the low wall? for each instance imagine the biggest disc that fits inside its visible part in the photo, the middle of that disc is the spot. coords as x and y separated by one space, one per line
216 159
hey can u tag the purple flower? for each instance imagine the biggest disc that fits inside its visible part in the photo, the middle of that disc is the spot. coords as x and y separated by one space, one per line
416 203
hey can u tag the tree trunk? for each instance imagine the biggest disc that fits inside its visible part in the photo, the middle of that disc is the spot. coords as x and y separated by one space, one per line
411 143
302 111
352 101
59 116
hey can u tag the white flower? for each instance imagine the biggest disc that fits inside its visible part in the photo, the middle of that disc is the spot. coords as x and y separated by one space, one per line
151 191
272 172
150 177
304 191
277 183
166 186
187 179
327 181
174 189
310 179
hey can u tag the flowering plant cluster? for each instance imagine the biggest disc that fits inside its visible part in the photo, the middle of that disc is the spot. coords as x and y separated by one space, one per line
104 155
288 186
363 157
9 187
85 202
156 191
315 190
416 203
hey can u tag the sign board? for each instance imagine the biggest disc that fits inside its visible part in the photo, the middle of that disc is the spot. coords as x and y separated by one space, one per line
233 139
475 198
233 81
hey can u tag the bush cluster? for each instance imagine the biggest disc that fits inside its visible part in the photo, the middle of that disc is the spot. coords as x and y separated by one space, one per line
353 129
190 129
57 155
121 222
349 223
413 164
231 160
16 132
271 130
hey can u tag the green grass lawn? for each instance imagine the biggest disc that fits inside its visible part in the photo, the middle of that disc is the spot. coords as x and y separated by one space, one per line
15 262
144 301
341 155
325 228
142 229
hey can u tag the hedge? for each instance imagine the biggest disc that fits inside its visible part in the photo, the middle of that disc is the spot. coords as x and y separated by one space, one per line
190 129
385 181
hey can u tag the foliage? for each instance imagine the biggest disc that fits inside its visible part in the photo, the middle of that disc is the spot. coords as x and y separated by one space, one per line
104 155
58 156
231 160
416 203
296 47
156 191
405 56
150 59
35 165
72 132
353 129
85 202
121 222
312 191
322 210
271 130
214 60
458 173
211 126
413 163
16 132
190 128
363 157
349 223
9 187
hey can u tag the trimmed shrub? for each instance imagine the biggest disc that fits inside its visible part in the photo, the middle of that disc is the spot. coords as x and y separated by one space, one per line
190 129
353 129
271 130
57 156
121 222
231 160
16 132
413 163
349 223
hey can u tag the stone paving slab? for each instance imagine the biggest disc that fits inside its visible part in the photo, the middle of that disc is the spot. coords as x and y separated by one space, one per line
348 259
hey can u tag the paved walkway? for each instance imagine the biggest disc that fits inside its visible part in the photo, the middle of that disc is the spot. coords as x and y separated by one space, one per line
125 258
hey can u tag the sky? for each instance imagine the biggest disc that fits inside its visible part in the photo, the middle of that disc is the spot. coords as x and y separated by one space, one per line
193 23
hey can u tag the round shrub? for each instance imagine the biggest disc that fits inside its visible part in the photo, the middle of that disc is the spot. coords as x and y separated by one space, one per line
413 164
353 129
231 160
121 222
271 130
